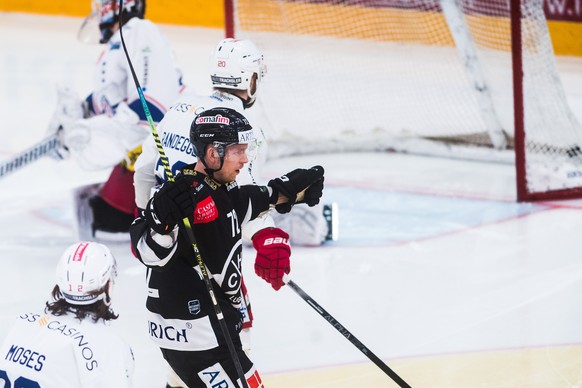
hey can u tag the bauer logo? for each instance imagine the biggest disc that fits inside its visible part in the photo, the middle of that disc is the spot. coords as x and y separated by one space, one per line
218 119
276 240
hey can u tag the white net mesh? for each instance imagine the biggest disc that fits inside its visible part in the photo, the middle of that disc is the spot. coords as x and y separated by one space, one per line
424 76
552 134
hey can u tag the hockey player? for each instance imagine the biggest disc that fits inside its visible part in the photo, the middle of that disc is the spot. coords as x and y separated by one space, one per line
106 130
71 344
182 320
237 70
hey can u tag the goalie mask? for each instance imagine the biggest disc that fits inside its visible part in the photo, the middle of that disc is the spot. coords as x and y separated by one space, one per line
220 128
233 64
105 13
84 271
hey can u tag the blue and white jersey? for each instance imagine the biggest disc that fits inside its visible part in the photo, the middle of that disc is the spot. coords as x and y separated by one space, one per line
43 350
154 65
116 122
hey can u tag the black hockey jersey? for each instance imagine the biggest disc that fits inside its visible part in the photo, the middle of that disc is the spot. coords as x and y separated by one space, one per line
181 314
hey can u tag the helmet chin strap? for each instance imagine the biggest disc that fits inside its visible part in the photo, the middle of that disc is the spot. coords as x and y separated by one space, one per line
210 171
248 102
252 96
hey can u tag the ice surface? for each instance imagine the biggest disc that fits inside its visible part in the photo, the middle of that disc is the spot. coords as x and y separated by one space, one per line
438 270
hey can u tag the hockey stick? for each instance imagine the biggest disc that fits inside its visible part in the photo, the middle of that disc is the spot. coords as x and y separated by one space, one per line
345 332
29 155
185 220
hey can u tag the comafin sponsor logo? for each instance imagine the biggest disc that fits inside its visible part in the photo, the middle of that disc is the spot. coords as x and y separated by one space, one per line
218 119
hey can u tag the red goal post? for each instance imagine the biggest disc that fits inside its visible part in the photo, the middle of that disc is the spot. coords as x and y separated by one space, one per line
467 79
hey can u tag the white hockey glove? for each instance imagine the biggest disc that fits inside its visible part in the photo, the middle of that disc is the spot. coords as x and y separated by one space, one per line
101 141
69 109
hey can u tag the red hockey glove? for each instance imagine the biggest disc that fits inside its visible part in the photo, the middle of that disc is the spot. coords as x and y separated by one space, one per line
273 251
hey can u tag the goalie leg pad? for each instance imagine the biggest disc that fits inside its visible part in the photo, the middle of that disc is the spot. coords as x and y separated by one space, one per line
113 209
83 214
119 191
306 225
108 221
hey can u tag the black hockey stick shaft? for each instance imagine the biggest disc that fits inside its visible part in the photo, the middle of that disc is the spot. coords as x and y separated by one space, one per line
346 333
29 155
185 220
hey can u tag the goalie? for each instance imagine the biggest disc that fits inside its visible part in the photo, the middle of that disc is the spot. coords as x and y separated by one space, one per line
106 129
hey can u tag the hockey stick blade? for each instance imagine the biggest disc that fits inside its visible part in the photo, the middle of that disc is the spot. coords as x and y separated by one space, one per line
345 332
29 155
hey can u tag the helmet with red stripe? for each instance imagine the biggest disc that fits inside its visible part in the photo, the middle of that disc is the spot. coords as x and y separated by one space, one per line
85 272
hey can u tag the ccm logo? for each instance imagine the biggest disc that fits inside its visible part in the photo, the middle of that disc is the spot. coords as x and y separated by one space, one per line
221 64
276 240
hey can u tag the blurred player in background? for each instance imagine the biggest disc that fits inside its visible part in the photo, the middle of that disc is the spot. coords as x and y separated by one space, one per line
71 344
106 129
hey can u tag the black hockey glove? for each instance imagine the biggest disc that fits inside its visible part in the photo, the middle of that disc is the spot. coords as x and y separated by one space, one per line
173 202
313 193
295 182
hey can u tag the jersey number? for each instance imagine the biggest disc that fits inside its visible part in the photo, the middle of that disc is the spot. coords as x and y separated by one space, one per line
234 223
21 382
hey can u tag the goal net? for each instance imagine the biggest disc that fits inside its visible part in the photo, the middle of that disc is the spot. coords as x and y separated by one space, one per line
422 76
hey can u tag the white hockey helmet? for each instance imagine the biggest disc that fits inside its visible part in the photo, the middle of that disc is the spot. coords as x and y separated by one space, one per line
233 64
83 272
